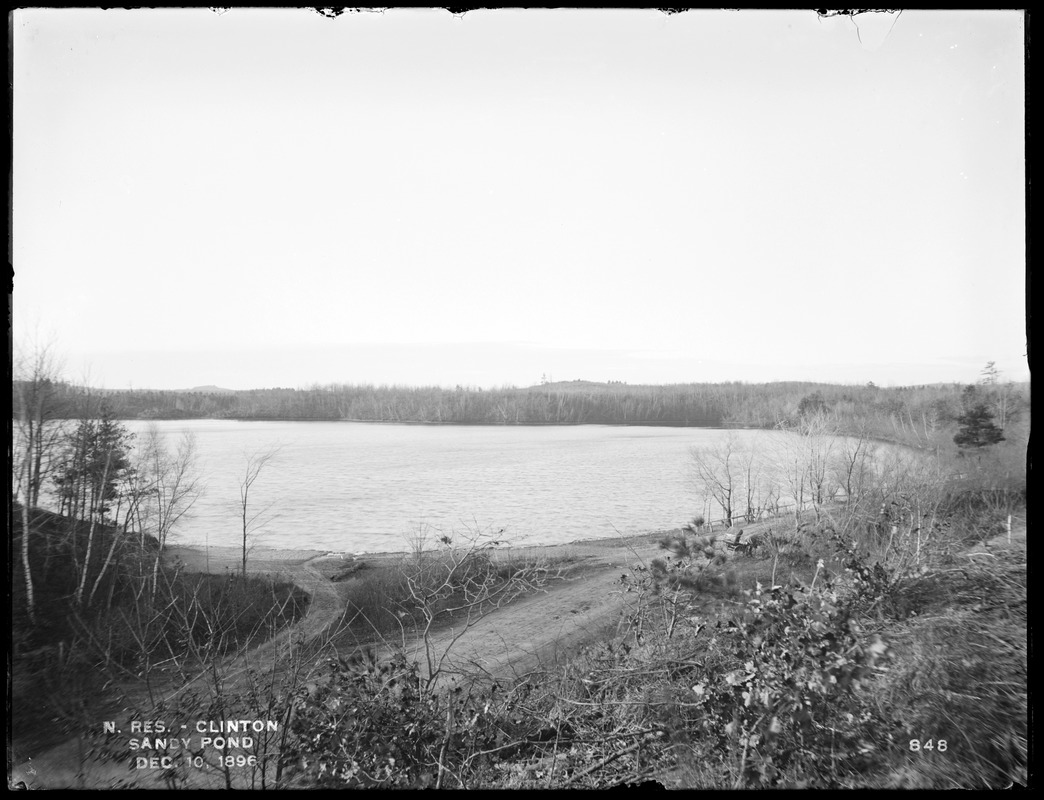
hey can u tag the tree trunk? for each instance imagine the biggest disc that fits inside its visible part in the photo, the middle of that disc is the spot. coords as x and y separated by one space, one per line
245 492
30 601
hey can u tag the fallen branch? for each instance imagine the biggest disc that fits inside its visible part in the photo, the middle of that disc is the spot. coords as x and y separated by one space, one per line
607 760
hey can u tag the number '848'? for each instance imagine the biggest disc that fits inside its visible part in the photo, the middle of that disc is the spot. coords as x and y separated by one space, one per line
916 745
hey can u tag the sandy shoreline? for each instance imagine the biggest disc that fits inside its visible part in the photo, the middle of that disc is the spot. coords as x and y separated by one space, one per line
217 559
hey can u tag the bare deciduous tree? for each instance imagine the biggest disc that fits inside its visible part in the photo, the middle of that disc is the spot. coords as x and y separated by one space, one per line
790 467
852 464
754 483
818 436
170 485
37 416
36 374
719 473
254 522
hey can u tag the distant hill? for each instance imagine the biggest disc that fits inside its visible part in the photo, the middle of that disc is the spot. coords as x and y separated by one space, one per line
578 385
210 389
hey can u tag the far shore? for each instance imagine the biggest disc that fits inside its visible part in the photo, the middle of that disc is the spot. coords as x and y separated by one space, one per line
670 423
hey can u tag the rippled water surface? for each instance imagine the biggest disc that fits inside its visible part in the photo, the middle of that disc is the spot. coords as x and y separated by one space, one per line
367 487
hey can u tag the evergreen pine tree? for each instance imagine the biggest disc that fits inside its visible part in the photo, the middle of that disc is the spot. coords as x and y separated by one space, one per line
977 428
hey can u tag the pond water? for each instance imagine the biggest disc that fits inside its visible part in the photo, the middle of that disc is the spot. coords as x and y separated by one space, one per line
358 487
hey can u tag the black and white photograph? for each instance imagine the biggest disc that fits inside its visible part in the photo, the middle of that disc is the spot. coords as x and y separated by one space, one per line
518 399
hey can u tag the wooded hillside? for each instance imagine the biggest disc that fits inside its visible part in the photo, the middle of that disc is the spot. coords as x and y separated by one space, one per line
911 414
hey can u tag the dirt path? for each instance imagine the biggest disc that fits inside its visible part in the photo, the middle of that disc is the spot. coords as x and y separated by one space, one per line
529 634
510 642
532 631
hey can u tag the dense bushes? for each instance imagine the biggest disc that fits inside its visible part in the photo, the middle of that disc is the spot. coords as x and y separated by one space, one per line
147 621
960 674
58 560
789 705
378 725
813 663
827 682
194 617
140 608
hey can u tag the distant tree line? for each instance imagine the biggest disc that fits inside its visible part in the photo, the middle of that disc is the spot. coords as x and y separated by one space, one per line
910 414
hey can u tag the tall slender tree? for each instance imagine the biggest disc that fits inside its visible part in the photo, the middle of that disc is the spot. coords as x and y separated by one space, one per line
36 431
253 521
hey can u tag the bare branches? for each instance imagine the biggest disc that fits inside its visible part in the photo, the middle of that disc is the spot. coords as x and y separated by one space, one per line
36 373
36 378
462 582
717 471
252 523
169 485
733 474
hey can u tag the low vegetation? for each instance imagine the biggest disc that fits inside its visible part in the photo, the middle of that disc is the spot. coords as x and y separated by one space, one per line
831 656
875 638
870 670
861 669
83 651
393 597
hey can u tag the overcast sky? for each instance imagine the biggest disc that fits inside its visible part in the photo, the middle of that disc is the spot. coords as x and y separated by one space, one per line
276 198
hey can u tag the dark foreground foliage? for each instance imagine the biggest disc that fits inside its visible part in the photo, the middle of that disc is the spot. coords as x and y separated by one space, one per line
861 669
147 620
839 653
